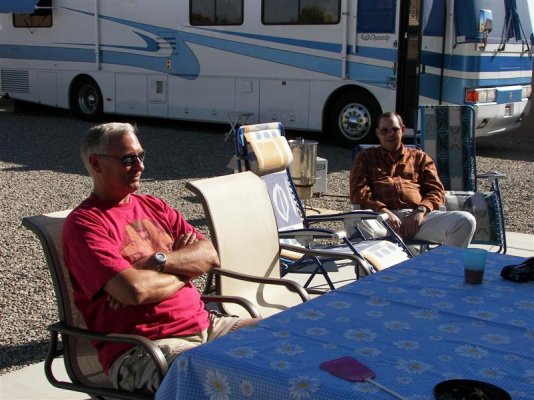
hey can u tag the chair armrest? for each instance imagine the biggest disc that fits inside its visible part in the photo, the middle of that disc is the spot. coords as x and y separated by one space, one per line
358 214
337 255
349 216
491 176
311 233
154 351
290 285
245 303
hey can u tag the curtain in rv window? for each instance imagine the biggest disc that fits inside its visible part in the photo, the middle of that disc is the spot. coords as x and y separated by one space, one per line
40 16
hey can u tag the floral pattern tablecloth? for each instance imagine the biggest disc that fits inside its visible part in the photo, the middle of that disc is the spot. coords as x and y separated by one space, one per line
415 324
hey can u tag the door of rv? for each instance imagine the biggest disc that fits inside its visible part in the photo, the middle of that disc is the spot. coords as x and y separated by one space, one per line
408 60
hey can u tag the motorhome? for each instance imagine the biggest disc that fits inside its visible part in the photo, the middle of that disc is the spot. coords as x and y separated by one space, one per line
314 65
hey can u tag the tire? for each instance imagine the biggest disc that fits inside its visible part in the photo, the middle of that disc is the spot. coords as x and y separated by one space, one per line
87 100
363 109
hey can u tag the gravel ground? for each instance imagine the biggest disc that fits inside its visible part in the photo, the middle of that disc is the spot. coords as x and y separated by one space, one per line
40 172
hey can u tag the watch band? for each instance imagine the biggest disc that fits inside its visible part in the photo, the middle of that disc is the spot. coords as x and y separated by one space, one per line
161 266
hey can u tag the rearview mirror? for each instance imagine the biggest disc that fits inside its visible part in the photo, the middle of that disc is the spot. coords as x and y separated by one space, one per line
485 20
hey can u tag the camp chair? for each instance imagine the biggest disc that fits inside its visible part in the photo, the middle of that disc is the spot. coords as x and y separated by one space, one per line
80 357
447 134
264 150
243 230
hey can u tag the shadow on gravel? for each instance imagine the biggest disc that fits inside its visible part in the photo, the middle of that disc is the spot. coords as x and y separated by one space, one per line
43 138
515 145
24 354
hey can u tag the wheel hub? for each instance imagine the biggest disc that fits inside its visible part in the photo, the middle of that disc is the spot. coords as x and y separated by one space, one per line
355 121
88 100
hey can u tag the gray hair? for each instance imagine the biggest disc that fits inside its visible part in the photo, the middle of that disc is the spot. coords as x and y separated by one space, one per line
98 137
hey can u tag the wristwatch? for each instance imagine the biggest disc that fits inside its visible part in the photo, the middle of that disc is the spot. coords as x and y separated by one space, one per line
161 259
419 209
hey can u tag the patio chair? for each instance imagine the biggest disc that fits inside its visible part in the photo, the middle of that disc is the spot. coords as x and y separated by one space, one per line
447 134
243 230
264 150
79 356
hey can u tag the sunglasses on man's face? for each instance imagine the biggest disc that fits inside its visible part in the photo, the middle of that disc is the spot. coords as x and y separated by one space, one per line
385 131
128 159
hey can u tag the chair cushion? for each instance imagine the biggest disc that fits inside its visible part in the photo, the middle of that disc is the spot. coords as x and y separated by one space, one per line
485 210
269 152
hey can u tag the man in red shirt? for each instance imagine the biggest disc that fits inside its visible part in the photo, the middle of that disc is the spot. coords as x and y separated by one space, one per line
404 184
131 259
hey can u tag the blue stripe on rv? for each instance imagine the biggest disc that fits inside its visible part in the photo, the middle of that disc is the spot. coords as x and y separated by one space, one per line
187 67
308 44
477 63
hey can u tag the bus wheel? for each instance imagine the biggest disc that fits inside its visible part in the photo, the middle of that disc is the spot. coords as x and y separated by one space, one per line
353 118
87 100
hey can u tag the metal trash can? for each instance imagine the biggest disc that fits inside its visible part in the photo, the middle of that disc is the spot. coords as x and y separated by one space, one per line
302 168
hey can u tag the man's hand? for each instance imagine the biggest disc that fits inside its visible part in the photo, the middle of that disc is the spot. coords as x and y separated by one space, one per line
393 221
184 240
410 224
114 303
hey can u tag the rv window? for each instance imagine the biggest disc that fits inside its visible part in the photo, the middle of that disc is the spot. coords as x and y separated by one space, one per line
376 16
300 12
40 18
216 12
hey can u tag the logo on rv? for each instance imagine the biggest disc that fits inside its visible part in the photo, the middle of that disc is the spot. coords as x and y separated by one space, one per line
374 37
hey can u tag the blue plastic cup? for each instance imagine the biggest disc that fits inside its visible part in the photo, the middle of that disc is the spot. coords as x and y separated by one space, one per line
474 264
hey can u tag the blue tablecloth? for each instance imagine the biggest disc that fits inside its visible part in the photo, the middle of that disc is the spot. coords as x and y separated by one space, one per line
415 325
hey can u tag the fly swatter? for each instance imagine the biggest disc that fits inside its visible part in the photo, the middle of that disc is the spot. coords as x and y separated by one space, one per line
352 370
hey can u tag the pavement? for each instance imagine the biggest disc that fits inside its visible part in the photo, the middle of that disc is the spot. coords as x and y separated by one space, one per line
29 383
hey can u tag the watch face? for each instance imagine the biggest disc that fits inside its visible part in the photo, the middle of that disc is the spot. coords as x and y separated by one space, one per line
161 258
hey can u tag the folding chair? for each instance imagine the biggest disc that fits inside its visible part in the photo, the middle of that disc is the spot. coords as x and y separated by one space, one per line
447 134
264 150
243 230
79 356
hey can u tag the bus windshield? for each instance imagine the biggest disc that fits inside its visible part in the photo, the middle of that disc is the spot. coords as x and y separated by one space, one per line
511 21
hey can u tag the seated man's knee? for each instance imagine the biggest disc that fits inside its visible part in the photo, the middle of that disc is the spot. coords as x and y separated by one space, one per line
466 223
469 220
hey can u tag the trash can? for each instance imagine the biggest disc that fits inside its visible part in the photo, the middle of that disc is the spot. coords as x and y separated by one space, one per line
302 168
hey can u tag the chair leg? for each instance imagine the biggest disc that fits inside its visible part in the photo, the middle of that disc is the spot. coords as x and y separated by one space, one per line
53 353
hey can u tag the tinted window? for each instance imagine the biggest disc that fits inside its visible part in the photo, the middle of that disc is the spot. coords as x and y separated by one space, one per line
216 12
376 16
300 12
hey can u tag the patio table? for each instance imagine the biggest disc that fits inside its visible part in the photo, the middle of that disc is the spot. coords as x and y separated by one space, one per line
415 324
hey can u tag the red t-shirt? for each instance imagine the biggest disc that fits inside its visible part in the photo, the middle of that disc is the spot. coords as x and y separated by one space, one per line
101 240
